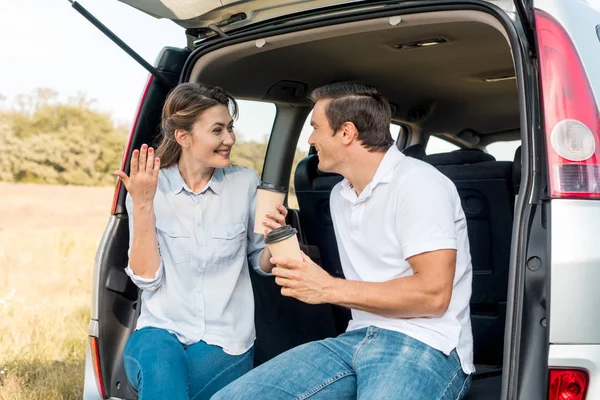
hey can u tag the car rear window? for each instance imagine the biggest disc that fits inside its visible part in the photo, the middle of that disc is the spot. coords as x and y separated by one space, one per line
503 151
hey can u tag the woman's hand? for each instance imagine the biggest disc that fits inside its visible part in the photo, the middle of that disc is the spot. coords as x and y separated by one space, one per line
271 221
275 220
143 179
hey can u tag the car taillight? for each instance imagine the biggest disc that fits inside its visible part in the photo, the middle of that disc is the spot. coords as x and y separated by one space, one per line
119 185
567 384
96 364
571 116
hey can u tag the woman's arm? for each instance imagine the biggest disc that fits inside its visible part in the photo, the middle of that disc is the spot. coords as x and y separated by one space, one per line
271 222
259 255
264 261
144 258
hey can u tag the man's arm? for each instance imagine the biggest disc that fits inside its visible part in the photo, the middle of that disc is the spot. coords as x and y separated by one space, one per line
425 294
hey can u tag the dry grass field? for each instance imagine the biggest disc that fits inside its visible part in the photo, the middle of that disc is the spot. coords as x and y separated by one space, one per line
48 239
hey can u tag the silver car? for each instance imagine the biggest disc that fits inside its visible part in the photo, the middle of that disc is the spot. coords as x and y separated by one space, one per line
473 74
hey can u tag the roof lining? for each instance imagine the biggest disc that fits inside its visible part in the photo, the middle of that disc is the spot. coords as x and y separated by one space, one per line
237 53
345 29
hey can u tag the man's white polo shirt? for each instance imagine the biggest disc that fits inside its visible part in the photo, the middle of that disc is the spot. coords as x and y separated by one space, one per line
408 208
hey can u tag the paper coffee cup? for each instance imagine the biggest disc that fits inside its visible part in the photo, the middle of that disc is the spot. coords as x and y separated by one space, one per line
283 242
267 197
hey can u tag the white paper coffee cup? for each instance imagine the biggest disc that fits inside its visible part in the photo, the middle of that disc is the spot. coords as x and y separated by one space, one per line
267 198
283 242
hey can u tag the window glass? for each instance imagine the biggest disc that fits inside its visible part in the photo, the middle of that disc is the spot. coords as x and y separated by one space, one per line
503 151
252 129
436 145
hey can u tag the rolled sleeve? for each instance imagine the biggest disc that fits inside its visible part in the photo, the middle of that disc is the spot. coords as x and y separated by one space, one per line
254 259
147 284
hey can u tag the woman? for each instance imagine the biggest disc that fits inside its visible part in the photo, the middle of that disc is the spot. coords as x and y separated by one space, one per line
191 216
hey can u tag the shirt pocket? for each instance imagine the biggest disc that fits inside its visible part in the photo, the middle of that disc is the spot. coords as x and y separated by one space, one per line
229 241
173 242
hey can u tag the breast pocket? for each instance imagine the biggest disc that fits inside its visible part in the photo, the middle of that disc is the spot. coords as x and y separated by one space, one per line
228 241
173 242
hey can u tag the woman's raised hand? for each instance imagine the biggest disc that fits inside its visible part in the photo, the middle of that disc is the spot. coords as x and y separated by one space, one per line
143 179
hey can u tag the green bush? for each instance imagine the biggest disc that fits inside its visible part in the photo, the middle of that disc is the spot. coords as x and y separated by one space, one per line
49 142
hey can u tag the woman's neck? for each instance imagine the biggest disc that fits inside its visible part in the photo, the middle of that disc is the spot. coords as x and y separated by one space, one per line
195 175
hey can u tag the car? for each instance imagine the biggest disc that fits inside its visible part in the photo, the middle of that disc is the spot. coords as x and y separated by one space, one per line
470 74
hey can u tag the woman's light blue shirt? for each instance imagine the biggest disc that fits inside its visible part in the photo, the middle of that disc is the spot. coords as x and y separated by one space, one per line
202 289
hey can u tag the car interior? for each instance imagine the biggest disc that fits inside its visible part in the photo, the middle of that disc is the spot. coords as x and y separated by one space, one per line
447 74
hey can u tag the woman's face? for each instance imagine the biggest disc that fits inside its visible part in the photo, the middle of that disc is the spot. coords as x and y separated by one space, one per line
211 138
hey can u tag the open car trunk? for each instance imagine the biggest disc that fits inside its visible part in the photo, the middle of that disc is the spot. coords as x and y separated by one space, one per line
448 72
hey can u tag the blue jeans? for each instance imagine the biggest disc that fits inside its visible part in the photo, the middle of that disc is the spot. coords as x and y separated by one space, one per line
370 363
158 366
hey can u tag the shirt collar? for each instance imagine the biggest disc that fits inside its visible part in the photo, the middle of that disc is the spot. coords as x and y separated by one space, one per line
216 182
385 171
384 174
177 184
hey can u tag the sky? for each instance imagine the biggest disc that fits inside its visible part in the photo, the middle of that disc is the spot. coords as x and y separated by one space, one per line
47 44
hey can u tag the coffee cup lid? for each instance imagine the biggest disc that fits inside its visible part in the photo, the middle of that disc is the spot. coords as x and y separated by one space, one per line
272 187
279 234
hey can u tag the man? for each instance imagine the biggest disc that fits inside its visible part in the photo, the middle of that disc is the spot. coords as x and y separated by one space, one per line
402 239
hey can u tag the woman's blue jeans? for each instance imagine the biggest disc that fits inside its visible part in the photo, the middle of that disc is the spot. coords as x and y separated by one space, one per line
158 366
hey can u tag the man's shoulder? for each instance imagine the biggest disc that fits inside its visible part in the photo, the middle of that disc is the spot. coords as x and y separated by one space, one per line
413 172
420 181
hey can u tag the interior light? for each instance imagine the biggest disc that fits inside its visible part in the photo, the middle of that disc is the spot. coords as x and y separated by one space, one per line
500 79
427 44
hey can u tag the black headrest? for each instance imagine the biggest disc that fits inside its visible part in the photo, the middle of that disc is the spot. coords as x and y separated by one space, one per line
516 171
459 157
415 151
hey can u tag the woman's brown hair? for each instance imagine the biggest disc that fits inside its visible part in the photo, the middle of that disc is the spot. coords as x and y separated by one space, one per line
184 105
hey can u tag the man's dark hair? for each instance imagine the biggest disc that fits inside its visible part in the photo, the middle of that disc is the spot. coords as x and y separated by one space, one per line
363 106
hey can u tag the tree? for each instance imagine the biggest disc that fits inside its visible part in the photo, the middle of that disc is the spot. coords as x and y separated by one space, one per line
50 142
43 97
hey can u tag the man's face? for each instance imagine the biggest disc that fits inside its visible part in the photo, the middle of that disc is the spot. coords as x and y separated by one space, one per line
324 138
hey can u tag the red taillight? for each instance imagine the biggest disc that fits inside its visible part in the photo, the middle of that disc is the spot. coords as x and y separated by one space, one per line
96 365
567 384
570 114
128 143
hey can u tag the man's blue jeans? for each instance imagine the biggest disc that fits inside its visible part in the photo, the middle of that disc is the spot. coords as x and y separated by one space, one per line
158 366
370 363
